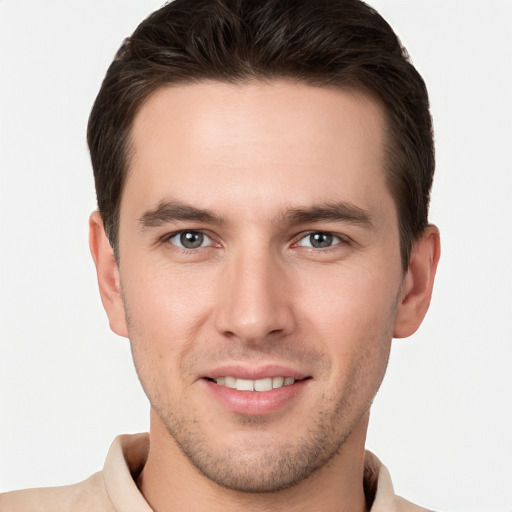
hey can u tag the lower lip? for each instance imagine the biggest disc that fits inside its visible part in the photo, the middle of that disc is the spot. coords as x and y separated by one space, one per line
256 403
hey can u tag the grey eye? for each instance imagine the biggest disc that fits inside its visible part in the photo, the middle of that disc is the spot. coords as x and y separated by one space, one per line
190 239
320 240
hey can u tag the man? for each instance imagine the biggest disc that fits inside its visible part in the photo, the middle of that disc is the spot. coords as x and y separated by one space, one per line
263 172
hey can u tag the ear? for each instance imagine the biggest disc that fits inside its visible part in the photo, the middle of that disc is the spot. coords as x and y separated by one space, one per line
418 283
107 271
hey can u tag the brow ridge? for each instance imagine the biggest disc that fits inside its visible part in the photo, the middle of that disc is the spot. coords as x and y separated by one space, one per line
340 211
169 211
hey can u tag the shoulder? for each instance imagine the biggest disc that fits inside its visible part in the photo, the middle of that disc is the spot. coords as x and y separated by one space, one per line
106 491
379 489
402 505
91 494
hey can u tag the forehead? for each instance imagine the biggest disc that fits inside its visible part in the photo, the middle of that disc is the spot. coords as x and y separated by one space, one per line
270 143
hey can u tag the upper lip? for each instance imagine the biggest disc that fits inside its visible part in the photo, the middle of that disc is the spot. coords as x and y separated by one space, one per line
252 372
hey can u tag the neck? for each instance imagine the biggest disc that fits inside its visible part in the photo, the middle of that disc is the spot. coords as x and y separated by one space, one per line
170 482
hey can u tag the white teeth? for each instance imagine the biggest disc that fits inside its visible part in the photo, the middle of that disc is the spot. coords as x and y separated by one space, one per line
229 382
263 384
277 382
266 384
244 385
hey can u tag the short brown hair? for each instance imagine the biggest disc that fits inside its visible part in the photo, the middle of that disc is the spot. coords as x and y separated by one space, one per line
331 43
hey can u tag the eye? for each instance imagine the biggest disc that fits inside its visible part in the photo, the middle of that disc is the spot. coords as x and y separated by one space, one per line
190 240
319 240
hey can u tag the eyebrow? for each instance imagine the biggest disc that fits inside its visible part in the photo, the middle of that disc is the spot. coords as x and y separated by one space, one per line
341 211
169 211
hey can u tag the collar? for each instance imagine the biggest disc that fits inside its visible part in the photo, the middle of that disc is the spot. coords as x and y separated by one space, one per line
129 453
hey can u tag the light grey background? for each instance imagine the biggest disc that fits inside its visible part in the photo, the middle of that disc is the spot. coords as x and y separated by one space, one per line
442 421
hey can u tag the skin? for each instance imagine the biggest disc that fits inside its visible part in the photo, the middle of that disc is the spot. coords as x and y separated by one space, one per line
259 158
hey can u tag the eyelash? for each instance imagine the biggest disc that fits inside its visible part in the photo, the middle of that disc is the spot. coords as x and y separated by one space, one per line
338 240
341 240
167 239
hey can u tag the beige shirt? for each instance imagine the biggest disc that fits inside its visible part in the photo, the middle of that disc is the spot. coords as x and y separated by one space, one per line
114 489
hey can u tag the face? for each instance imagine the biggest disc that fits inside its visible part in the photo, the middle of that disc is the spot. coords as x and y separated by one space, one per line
260 273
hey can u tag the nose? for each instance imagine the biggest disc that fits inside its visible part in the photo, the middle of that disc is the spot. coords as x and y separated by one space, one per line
255 303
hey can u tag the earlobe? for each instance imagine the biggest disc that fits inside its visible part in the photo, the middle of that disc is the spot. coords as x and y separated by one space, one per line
108 275
418 283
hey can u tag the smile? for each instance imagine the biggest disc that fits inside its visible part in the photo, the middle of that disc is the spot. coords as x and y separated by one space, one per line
266 384
256 397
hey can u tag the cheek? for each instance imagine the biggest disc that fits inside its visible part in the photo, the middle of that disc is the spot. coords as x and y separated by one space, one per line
352 314
355 329
348 299
163 300
166 316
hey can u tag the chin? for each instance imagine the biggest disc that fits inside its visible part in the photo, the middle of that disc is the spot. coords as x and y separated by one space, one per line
260 461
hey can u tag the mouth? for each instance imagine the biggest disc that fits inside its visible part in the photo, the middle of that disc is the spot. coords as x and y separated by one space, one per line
259 385
269 391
